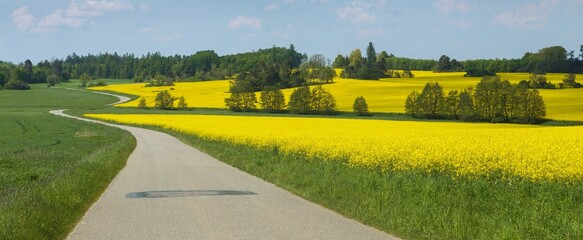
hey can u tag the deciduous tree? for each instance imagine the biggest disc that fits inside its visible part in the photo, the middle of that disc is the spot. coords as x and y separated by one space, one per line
164 100
182 104
299 100
321 101
360 106
272 100
411 106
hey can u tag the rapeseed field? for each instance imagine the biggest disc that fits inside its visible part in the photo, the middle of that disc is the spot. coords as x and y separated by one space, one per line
461 149
385 95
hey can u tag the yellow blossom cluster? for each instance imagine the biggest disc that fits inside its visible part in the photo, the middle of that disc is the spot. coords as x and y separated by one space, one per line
463 149
385 95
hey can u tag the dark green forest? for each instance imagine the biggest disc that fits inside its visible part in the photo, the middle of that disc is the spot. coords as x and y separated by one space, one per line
276 66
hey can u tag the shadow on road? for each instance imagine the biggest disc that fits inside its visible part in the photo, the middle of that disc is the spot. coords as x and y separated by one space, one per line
186 193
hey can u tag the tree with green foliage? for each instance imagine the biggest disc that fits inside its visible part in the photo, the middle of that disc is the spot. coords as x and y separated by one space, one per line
18 73
322 101
569 81
299 100
57 67
465 106
443 64
381 61
85 79
160 80
371 56
272 100
164 100
27 71
372 67
407 74
538 81
430 102
142 104
316 61
491 97
182 103
550 59
326 74
451 105
242 98
4 73
494 100
529 106
53 79
340 61
355 58
411 107
16 84
360 106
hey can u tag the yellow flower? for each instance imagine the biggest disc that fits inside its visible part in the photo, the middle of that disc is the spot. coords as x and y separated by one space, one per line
464 149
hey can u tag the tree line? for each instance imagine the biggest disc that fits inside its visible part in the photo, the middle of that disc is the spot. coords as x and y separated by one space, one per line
203 65
303 100
372 66
277 64
282 68
492 100
550 59
539 81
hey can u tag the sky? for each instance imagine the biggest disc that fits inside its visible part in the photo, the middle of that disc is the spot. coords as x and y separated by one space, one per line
426 29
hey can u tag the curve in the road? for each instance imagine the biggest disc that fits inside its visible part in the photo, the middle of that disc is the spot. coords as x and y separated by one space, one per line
169 190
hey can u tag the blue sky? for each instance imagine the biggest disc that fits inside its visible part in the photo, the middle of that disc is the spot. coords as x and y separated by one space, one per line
461 29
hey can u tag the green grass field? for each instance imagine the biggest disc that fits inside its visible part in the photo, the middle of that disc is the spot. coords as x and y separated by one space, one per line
53 168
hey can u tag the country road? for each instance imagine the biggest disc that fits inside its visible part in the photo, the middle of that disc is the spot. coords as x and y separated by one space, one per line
169 190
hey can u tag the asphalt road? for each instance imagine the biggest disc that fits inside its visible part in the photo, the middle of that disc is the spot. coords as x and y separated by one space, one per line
169 190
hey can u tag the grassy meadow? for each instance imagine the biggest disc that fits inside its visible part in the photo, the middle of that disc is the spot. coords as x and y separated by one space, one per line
385 95
53 168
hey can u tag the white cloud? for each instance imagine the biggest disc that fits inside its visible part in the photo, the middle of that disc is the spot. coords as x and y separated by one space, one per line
529 16
22 19
74 16
271 7
144 7
452 6
355 13
108 5
249 22
58 19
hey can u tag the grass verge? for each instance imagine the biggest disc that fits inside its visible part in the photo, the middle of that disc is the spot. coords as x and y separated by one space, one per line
52 168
